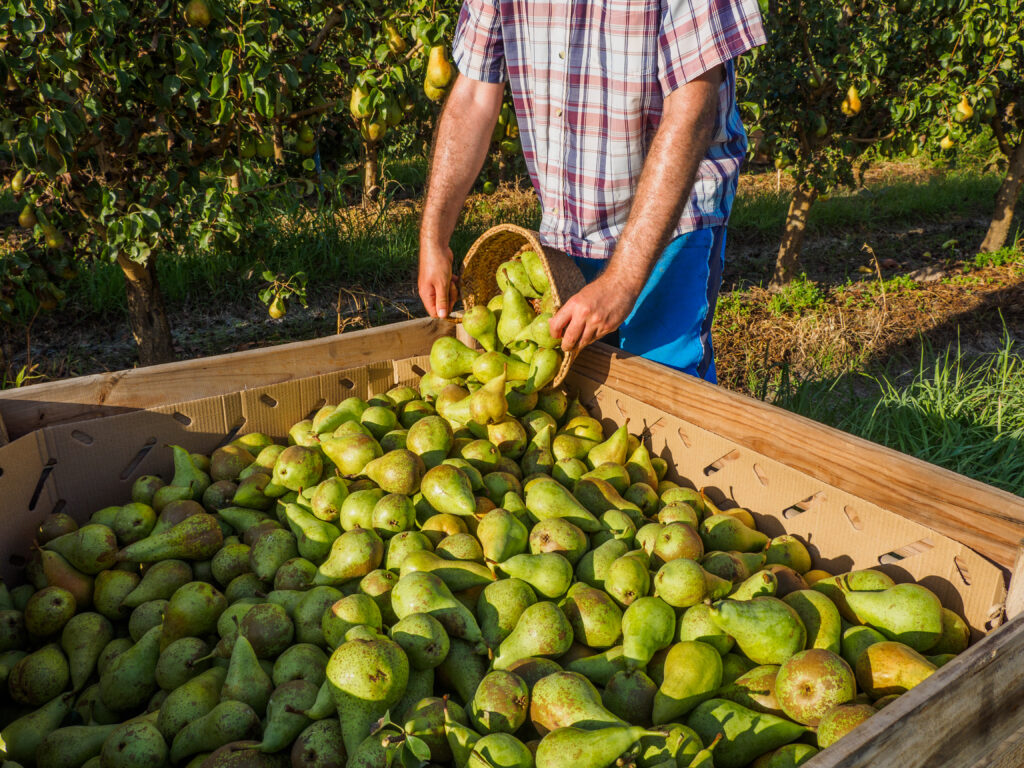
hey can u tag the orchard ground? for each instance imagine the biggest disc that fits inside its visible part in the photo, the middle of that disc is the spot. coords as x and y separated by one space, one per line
898 331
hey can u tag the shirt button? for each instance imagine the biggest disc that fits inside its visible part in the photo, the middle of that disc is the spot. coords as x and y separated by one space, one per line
558 113
561 54
552 209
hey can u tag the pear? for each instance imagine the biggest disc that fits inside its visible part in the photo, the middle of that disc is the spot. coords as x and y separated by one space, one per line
181 661
819 616
535 271
538 457
499 607
269 551
396 472
594 617
767 630
548 573
837 587
448 490
48 610
90 549
353 555
430 438
439 69
745 734
269 628
891 667
564 699
245 680
134 521
58 572
192 700
349 409
600 667
425 592
500 749
243 519
450 358
110 589
630 695
328 498
357 509
302 661
840 720
677 540
683 583
755 689
463 668
628 578
593 566
600 496
558 535
502 535
614 450
788 550
640 469
547 498
228 721
72 746
313 536
761 584
855 640
696 624
500 704
725 533
134 742
23 736
542 630
343 614
143 490
319 746
367 677
285 719
570 747
401 545
193 610
907 613
692 674
83 639
811 682
648 625
516 314
956 634
129 680
544 365
480 323
351 453
197 537
39 677
250 493
424 640
379 420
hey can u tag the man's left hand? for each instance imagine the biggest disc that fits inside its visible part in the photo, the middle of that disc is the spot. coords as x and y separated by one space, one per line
595 311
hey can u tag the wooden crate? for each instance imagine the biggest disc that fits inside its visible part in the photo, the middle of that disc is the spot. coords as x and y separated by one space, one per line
855 503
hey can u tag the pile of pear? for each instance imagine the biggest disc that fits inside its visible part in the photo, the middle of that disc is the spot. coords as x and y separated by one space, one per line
412 581
515 339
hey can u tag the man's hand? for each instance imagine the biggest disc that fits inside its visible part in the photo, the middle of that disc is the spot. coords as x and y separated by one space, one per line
436 286
595 311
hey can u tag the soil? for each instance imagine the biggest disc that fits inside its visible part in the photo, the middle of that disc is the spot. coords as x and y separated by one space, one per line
854 325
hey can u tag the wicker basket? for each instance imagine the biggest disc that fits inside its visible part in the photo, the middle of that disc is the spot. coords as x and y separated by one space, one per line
503 242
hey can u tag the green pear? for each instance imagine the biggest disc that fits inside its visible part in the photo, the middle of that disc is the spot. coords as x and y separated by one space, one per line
788 550
500 749
542 630
907 613
593 566
499 608
696 624
367 677
450 358
197 537
23 736
726 565
430 438
683 583
648 625
811 682
761 584
448 490
488 404
285 714
614 450
725 533
379 420
855 640
755 689
547 498
134 742
228 721
90 549
245 680
269 551
516 314
891 667
269 628
48 610
538 457
820 616
534 268
630 695
640 469
480 323
539 333
313 536
342 615
502 535
401 545
595 619
424 640
130 679
396 472
349 409
39 677
319 746
692 674
839 721
557 534
600 667
353 555
956 634
243 519
463 668
565 699
193 610
600 496
357 509
110 589
628 578
745 734
569 747
72 746
837 587
767 630
180 661
425 592
192 700
548 573
250 493
328 498
302 661
58 572
500 704
351 453
83 640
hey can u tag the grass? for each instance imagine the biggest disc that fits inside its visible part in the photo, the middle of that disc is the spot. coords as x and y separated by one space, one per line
965 415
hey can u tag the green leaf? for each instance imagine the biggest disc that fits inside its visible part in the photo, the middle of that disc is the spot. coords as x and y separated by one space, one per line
418 747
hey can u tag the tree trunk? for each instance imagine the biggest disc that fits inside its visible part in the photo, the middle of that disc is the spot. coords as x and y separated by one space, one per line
371 172
1006 198
147 314
793 236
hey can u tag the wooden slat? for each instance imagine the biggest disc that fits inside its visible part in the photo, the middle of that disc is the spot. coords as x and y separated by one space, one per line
988 520
86 397
955 718
1006 754
1015 592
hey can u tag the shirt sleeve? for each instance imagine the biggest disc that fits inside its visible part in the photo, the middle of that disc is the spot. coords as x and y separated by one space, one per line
478 47
697 35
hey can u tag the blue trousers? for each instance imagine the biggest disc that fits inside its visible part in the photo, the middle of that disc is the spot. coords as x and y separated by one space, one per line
671 320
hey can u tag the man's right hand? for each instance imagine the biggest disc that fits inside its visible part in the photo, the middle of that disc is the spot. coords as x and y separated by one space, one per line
436 285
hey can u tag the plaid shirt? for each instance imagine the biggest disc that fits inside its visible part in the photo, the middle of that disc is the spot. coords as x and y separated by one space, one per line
589 79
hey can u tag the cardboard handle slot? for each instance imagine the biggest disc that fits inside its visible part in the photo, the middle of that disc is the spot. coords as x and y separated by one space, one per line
58 507
40 483
684 437
137 459
910 550
346 383
232 433
759 473
801 506
720 463
182 418
417 370
268 401
961 568
853 517
319 404
618 404
82 437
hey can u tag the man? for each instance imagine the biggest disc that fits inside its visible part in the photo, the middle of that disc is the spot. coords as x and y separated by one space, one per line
628 121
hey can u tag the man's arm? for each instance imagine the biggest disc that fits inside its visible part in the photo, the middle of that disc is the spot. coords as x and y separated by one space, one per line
460 147
669 171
